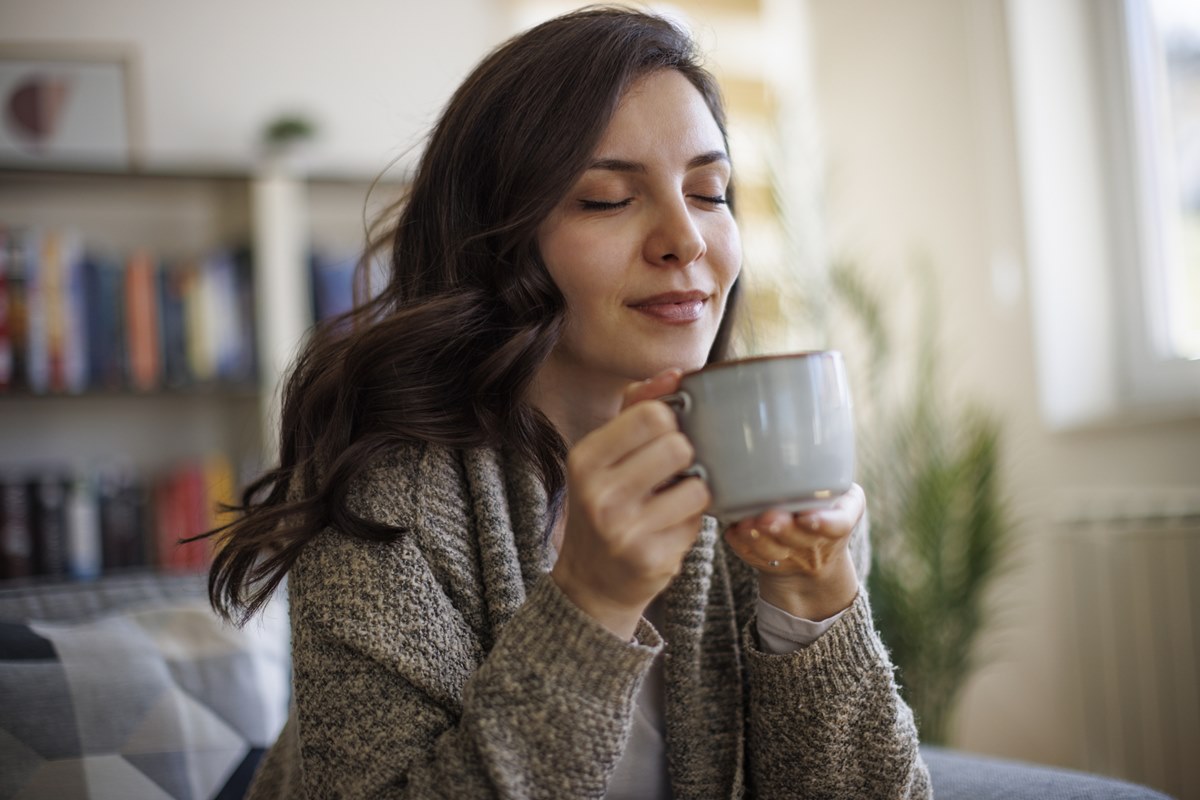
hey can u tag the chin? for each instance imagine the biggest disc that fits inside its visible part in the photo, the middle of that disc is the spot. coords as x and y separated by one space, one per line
687 362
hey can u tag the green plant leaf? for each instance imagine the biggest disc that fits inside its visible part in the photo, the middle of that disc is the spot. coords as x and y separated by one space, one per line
940 524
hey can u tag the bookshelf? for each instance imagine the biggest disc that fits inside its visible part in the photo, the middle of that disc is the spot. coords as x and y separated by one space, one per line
195 425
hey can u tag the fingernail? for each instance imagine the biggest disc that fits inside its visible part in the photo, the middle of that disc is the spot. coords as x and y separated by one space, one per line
754 534
815 523
776 527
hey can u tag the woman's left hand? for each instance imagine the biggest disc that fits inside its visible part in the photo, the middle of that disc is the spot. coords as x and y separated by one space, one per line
803 559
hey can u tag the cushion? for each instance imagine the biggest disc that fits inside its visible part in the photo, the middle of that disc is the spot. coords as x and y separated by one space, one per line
960 776
135 688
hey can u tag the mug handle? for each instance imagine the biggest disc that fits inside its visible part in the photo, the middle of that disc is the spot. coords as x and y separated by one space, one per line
681 403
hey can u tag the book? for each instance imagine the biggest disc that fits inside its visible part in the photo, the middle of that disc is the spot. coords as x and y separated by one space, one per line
173 285
189 494
103 280
75 314
17 261
332 283
220 492
53 299
83 545
37 336
124 519
230 281
200 350
141 321
244 266
16 535
48 512
7 361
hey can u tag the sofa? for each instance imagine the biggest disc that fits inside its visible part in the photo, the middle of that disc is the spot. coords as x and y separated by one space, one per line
129 687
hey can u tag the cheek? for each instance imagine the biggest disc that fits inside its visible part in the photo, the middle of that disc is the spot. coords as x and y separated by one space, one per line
725 252
579 260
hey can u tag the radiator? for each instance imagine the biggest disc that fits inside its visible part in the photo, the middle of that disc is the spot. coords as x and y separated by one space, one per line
1132 574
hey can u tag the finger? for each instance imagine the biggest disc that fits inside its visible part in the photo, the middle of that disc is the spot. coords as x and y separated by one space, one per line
672 544
663 383
772 521
839 518
630 430
757 551
686 499
646 469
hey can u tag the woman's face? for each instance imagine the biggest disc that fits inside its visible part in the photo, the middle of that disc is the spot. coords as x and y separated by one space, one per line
643 246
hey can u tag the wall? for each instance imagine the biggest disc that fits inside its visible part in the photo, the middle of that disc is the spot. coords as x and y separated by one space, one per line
916 114
372 74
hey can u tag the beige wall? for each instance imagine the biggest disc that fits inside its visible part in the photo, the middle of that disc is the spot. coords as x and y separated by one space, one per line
371 74
916 115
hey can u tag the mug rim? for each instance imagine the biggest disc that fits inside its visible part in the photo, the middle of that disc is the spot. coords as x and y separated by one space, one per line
734 362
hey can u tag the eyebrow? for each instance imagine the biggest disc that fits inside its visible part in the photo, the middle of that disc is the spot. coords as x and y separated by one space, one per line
620 165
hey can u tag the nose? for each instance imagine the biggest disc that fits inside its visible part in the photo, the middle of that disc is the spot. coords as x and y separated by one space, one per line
675 240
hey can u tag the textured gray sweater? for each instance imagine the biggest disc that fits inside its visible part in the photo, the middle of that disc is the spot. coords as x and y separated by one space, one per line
448 664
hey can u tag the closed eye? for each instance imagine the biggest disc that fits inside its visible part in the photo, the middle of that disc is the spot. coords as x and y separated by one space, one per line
603 205
715 200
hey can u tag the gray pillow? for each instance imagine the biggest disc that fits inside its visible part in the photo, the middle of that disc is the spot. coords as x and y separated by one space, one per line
150 697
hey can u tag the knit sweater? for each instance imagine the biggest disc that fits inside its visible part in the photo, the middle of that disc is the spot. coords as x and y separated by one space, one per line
447 664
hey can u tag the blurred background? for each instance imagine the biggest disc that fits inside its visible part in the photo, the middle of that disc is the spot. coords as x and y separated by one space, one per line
992 206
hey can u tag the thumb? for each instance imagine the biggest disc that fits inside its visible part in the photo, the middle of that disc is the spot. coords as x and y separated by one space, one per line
663 383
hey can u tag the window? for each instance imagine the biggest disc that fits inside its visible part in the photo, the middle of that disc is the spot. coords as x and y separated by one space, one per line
1107 113
1163 40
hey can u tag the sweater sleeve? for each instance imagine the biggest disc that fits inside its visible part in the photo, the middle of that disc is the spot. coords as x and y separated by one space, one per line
389 703
827 720
408 684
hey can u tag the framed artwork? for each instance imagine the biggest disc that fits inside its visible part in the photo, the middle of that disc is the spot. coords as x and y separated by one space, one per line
68 106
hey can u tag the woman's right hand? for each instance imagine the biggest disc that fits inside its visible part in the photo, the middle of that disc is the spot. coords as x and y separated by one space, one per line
625 536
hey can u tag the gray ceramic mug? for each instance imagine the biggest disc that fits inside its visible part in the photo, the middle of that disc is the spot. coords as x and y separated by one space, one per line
769 432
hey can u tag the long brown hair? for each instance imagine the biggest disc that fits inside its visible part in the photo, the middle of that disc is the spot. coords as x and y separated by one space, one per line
445 352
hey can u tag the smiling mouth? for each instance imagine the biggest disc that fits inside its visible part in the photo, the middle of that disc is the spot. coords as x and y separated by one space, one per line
674 308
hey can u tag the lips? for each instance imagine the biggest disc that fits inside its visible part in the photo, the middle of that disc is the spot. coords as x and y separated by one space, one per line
673 307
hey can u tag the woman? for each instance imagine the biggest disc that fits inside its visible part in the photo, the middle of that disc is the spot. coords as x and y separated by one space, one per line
496 588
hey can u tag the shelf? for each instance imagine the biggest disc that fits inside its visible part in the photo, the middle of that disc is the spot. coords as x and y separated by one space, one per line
235 391
393 178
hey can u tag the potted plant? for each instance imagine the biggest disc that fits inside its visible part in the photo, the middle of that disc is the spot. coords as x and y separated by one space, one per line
941 526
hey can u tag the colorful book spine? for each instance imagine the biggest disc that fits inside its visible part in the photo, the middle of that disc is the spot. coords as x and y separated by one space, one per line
173 284
72 320
201 358
196 515
333 284
221 492
104 291
142 322
6 335
53 284
14 347
37 336
75 316
48 506
84 548
124 536
248 368
82 525
16 533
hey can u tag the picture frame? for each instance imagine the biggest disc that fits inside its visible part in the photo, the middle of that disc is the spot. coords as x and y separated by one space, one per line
69 106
